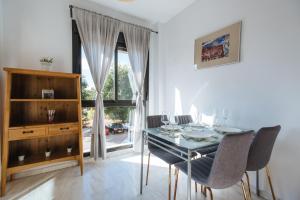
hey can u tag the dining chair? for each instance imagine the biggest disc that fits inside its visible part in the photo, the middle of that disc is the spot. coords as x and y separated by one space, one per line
183 119
186 119
260 153
226 169
155 122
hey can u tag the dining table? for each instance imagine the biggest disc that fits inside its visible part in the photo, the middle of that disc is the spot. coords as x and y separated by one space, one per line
181 142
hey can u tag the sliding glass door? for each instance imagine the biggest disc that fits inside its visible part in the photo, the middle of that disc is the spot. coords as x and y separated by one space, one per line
119 95
119 101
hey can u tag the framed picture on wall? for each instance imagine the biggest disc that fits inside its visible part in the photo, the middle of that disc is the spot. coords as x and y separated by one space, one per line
47 94
218 48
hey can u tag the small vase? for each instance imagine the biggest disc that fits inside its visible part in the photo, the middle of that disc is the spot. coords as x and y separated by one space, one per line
69 150
46 66
48 154
51 114
21 158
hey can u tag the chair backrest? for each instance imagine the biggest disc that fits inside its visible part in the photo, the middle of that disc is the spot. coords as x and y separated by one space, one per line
261 148
183 119
154 121
230 161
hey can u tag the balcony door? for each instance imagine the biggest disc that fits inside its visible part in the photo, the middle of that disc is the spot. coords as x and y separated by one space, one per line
119 95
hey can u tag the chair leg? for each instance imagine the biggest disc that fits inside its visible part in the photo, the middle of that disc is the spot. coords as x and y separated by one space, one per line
169 193
270 181
244 190
210 192
148 169
176 182
248 184
196 187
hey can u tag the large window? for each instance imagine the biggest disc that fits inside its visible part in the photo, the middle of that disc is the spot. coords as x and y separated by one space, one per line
119 95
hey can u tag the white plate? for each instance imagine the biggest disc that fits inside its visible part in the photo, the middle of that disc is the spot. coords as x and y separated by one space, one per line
197 135
171 127
224 129
196 125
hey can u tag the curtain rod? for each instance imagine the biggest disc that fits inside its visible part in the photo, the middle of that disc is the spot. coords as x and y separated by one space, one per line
71 14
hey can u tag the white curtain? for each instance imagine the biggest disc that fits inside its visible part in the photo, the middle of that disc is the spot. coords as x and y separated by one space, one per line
98 35
137 42
132 84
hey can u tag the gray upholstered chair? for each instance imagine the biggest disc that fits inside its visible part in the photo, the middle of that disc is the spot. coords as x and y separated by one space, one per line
260 153
183 119
186 119
226 169
154 122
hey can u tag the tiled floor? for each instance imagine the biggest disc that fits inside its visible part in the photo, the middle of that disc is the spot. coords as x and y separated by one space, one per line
116 178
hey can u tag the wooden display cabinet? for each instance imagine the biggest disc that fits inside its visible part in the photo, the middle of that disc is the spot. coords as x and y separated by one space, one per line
25 122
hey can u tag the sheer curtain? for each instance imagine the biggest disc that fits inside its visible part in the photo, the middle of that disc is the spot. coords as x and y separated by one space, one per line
98 35
137 42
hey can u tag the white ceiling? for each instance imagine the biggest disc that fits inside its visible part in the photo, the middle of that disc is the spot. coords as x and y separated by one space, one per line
155 11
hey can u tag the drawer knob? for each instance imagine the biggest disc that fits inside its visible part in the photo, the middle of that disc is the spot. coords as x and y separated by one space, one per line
27 132
64 128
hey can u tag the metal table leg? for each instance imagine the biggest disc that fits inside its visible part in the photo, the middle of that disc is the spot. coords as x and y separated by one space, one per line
189 180
257 183
142 164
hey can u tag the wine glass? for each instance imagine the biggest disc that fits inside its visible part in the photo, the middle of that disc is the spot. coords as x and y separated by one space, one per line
173 124
225 116
173 120
164 118
199 118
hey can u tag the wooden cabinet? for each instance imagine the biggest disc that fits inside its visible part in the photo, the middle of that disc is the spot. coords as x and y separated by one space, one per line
27 130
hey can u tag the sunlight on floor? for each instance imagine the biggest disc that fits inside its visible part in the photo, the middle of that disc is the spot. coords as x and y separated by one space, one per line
46 188
154 161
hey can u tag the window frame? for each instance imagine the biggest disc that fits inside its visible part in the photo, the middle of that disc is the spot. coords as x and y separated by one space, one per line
76 68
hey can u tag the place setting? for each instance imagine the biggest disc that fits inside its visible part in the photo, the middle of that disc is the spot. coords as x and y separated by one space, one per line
170 127
192 131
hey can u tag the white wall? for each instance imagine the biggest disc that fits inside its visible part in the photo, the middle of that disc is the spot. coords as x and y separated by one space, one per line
34 28
262 90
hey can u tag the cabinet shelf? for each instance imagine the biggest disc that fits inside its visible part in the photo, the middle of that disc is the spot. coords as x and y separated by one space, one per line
38 160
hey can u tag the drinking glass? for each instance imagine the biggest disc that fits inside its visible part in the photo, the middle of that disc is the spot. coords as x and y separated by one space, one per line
225 116
165 118
173 121
51 114
199 118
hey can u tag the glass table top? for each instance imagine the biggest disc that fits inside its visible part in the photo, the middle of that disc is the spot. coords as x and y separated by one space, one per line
180 137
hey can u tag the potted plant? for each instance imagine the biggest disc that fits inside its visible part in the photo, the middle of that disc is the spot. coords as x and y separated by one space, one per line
48 152
46 62
69 149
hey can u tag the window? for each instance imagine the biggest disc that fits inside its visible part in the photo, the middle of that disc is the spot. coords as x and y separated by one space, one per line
119 94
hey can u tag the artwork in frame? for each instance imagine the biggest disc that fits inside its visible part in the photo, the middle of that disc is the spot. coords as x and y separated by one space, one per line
47 94
218 48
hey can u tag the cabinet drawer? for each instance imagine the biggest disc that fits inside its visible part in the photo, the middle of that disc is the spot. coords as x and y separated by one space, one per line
26 133
63 129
